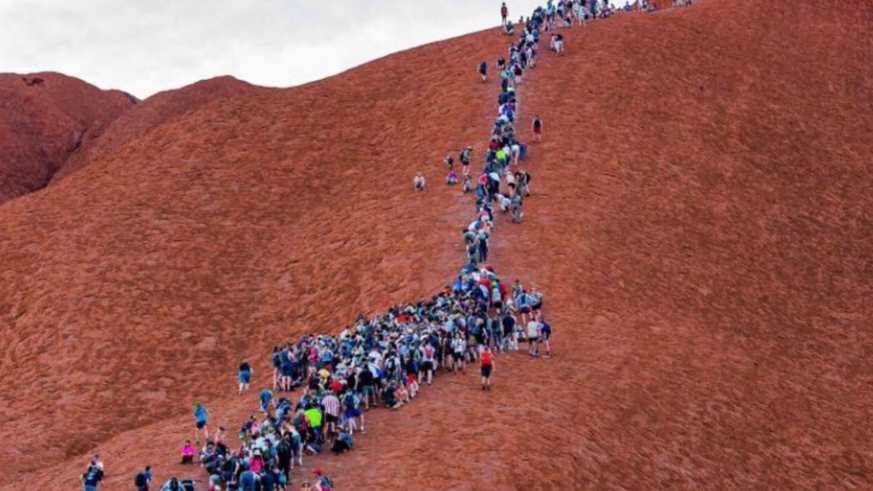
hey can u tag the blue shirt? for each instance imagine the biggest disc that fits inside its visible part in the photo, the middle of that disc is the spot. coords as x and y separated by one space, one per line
200 414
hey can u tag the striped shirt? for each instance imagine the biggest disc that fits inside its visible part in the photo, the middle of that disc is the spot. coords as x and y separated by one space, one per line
331 405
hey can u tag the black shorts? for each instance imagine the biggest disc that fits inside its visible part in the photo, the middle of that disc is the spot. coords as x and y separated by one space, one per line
486 371
457 356
330 418
427 366
200 425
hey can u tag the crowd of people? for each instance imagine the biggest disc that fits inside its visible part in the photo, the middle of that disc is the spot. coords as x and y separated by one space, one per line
387 359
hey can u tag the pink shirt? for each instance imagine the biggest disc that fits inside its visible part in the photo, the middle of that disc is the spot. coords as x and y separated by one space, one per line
256 464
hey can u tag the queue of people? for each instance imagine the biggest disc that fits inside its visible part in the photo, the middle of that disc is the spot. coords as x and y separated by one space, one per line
386 360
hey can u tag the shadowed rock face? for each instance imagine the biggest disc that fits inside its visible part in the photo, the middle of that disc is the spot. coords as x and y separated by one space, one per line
153 112
700 225
45 118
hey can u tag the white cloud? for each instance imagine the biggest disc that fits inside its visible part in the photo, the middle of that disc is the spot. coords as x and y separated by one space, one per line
145 46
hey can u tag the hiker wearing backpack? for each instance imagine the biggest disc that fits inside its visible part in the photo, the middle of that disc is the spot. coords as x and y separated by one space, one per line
143 479
322 480
483 71
352 408
466 154
92 477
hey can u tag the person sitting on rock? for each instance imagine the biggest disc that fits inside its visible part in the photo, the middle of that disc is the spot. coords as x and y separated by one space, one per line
468 183
188 453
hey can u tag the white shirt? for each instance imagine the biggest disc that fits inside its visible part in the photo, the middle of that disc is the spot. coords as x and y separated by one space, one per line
533 329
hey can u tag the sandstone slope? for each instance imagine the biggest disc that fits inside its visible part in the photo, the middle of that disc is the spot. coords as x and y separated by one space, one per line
700 224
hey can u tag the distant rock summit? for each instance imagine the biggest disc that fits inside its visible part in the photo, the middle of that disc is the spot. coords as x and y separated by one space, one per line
45 118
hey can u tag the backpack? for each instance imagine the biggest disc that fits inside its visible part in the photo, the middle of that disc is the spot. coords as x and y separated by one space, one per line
350 401
140 480
325 483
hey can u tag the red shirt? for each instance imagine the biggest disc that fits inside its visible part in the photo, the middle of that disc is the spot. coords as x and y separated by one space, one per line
486 359
336 386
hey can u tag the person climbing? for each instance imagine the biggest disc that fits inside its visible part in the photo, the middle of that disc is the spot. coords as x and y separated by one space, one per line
559 44
244 376
266 399
537 127
465 156
546 331
459 346
534 330
143 479
201 420
419 182
276 362
516 207
483 71
331 404
428 363
468 183
92 477
486 366
248 481
449 161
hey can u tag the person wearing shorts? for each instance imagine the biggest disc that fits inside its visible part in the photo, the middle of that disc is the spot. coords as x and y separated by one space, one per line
534 329
459 346
368 387
546 334
244 376
523 303
465 159
486 366
201 419
427 364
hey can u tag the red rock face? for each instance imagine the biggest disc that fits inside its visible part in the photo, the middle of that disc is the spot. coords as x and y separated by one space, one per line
45 118
700 224
151 113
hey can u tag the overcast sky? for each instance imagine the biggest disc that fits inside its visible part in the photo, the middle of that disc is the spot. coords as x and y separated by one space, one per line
146 46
